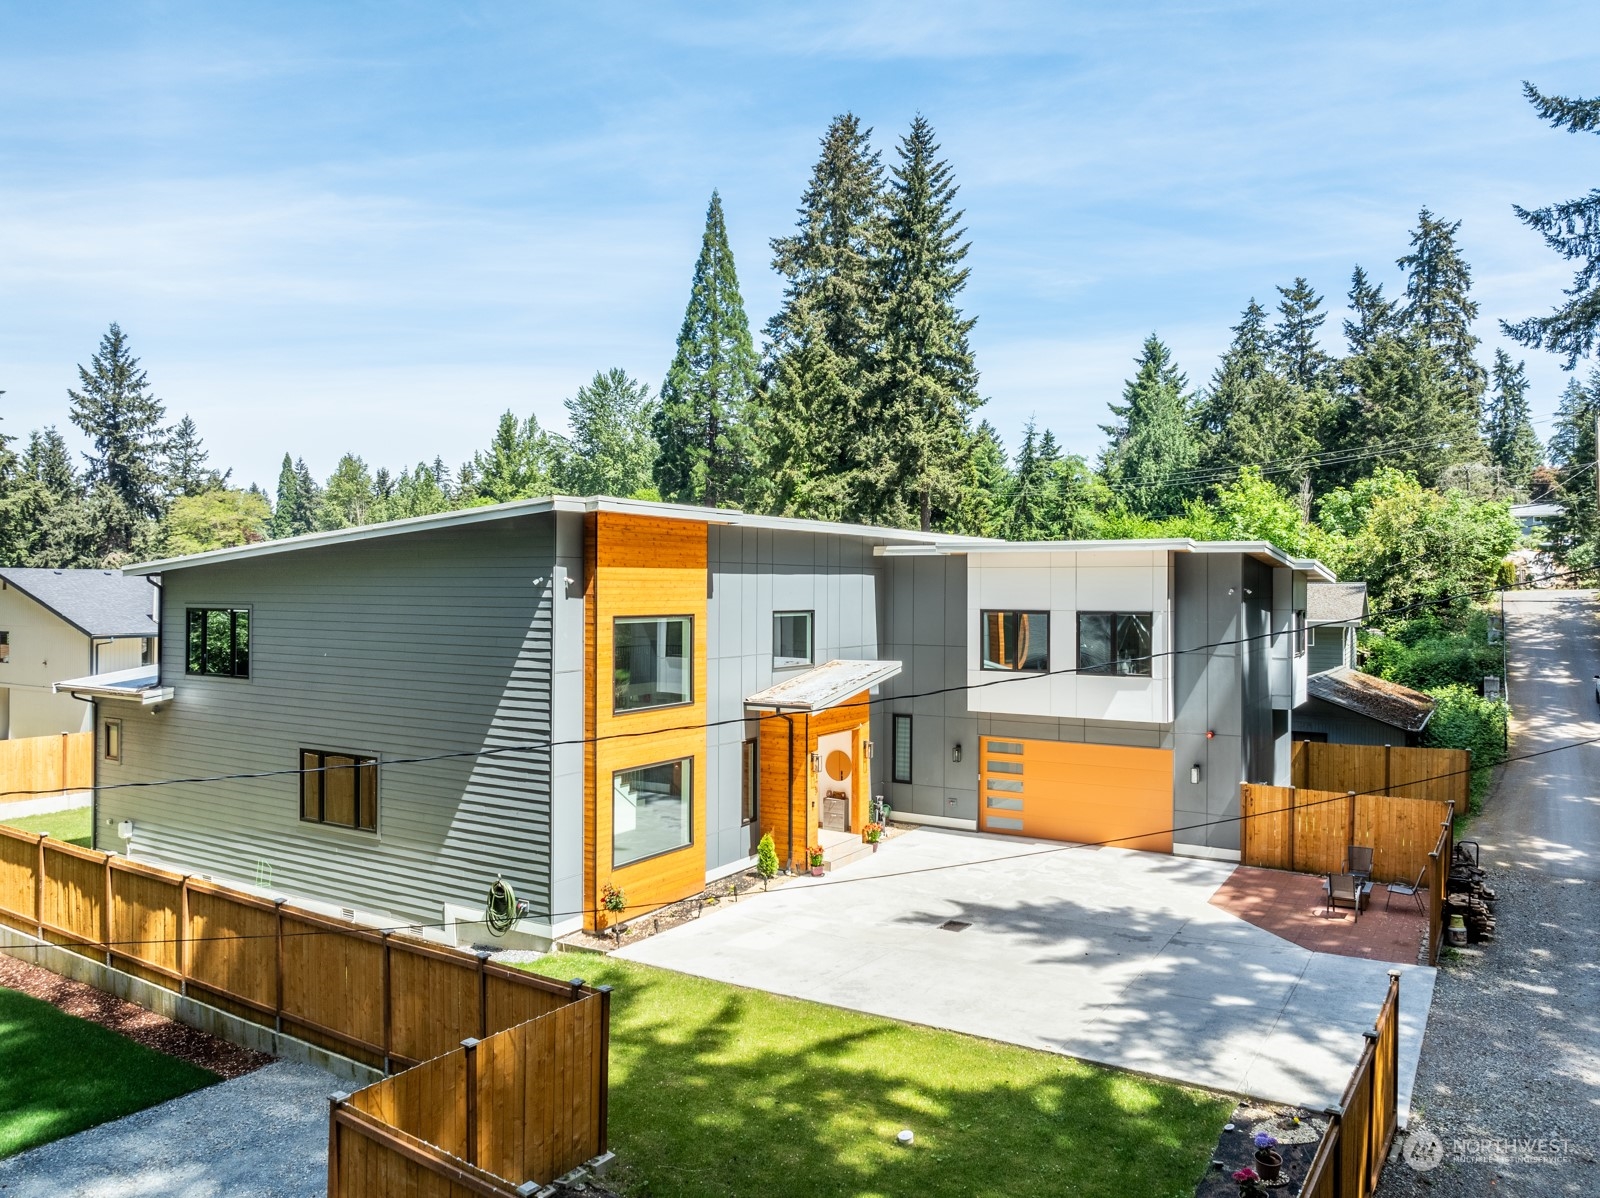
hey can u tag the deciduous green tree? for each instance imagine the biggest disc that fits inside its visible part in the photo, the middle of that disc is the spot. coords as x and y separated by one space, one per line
608 449
348 499
216 518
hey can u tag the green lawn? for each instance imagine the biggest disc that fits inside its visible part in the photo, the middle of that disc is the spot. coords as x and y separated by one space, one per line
60 1074
75 826
717 1090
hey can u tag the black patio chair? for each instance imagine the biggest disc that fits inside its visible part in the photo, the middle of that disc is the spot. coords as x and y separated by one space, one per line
1358 861
1413 891
1346 890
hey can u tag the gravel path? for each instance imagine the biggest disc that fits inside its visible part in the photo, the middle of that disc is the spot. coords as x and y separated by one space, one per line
1509 1082
263 1135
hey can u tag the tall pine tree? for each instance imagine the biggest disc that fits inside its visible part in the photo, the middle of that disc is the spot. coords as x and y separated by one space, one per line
1294 338
187 469
823 342
929 382
1440 310
1507 428
1153 450
1571 229
702 424
1371 315
983 506
292 512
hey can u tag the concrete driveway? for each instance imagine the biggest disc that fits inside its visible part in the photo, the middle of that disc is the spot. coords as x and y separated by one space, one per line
1105 954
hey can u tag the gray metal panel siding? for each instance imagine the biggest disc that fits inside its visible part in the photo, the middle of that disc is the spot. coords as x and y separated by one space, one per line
1209 697
439 642
754 573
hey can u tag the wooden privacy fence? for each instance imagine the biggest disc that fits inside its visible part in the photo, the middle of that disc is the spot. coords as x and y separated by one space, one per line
1442 774
1438 874
384 999
1308 830
34 767
1349 1160
493 1118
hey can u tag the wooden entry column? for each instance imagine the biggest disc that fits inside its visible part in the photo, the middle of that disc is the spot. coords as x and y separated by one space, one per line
790 802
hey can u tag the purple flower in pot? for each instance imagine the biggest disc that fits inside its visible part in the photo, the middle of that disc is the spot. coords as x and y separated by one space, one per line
1269 1161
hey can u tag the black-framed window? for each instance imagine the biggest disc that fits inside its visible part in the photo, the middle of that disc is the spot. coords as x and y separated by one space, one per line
112 745
900 750
340 789
1299 634
1116 643
750 781
218 642
652 661
5 647
791 638
1015 640
652 810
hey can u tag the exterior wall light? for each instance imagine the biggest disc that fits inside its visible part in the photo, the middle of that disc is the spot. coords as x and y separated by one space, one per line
955 753
1194 774
866 749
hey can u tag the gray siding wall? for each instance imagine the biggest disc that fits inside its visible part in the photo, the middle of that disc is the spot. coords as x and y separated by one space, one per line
567 606
404 646
754 573
1333 647
1343 727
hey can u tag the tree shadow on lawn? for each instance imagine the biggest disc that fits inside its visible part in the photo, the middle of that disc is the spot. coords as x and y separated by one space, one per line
717 1090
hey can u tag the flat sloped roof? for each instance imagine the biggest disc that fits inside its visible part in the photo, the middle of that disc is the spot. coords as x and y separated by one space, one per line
824 686
1376 698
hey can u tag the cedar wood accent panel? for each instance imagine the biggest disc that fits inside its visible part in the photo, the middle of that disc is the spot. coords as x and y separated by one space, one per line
641 566
792 816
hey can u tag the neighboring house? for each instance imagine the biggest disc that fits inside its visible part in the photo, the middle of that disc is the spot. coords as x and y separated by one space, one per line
58 624
1535 517
1334 613
1348 707
575 693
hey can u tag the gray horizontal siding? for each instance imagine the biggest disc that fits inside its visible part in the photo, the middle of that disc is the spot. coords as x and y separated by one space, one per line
438 642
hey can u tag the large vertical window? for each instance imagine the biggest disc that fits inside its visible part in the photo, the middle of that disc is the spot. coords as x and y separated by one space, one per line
1117 643
750 781
900 756
339 788
219 642
791 638
651 662
1016 640
1299 634
5 647
113 740
651 810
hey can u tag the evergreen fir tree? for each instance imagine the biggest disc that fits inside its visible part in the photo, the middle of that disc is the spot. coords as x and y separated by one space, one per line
1571 229
1153 450
1440 309
1507 428
1575 534
1371 315
1033 488
608 449
1294 338
291 511
520 463
702 423
1243 365
187 472
1406 409
985 492
822 344
49 463
310 493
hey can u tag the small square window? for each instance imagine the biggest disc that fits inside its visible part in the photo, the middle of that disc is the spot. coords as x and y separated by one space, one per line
112 740
1016 640
219 642
791 639
339 789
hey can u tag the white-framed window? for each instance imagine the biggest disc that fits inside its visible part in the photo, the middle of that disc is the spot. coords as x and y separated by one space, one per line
5 647
791 639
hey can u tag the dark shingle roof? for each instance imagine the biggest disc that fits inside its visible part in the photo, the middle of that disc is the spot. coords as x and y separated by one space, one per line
1336 602
95 602
1376 698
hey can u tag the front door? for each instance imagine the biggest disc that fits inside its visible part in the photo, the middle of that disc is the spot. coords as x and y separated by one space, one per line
835 780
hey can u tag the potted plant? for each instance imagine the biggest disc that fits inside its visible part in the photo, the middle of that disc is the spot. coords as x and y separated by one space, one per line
814 854
872 833
1269 1161
1249 1182
614 902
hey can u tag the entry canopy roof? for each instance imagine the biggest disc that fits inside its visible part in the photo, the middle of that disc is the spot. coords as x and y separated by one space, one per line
824 686
142 684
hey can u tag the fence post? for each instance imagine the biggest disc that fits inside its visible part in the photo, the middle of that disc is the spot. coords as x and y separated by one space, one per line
1388 774
108 922
388 1009
335 1186
1335 1115
483 993
1292 868
1349 821
64 743
605 1070
471 1047
277 990
183 936
38 886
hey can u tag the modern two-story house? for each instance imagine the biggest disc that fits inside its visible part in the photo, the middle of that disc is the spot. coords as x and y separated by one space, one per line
580 693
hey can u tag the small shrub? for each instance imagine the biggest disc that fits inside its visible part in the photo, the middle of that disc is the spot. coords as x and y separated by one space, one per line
1462 719
1436 649
767 857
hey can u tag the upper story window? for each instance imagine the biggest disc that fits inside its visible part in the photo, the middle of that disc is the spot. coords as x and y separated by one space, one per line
1016 640
791 638
652 662
1299 634
340 789
219 642
5 647
1116 643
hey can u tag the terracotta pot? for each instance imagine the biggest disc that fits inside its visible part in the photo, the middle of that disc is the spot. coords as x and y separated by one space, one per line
1269 1162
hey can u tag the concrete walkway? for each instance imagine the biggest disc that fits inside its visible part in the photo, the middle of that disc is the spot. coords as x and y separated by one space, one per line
263 1135
1105 954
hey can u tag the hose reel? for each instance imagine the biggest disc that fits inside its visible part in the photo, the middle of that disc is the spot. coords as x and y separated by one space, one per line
504 908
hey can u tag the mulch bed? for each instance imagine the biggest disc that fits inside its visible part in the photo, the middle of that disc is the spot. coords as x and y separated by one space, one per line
130 1020
1235 1149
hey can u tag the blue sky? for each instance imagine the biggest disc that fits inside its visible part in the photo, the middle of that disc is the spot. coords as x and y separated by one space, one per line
374 227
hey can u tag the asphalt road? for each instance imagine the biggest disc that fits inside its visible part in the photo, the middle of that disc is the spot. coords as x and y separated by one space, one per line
1510 1074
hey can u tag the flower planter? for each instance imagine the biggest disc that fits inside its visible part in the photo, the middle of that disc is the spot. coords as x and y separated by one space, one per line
1269 1163
817 871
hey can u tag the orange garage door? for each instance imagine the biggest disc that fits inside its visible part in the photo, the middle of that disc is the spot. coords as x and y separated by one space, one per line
1070 791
